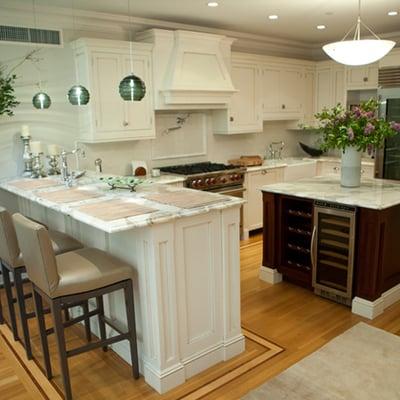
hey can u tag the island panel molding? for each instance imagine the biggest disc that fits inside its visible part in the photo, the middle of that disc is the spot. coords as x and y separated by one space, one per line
187 278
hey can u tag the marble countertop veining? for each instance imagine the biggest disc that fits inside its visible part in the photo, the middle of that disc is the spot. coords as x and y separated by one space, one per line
163 212
376 194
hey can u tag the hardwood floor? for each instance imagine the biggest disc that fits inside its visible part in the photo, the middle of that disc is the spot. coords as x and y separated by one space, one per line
289 316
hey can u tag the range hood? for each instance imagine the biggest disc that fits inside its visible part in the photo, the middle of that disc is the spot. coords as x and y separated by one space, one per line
191 70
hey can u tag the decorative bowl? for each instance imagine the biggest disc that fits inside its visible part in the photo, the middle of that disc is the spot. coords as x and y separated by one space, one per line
122 182
311 151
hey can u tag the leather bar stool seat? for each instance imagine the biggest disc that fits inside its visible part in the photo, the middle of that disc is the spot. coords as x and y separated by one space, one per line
73 277
12 263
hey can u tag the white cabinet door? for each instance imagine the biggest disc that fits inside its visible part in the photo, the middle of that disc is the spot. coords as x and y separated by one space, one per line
271 91
109 110
245 104
328 168
253 209
365 77
291 90
139 114
324 95
309 97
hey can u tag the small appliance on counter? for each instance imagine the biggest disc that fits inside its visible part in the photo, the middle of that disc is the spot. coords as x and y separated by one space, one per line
139 168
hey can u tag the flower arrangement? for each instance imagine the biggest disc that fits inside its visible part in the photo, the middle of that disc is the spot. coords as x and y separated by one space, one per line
359 127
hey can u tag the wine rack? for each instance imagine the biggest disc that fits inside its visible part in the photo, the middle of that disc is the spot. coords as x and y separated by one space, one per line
296 240
333 251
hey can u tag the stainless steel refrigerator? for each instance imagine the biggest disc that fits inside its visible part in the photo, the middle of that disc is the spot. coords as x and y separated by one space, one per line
387 164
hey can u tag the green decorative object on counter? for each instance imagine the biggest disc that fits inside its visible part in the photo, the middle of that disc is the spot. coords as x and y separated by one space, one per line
354 131
132 88
123 182
41 101
78 95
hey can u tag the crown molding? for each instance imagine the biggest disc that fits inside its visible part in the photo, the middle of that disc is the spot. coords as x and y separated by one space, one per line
116 26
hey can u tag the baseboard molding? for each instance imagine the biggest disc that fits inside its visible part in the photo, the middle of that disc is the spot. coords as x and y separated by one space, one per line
371 309
270 275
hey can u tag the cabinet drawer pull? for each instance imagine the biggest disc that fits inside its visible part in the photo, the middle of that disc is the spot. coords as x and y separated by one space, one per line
264 172
125 123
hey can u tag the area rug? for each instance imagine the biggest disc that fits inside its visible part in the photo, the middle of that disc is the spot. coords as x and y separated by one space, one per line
361 364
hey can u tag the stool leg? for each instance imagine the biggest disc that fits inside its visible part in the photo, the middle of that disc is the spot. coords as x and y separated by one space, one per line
102 325
56 310
10 300
19 288
130 314
38 302
66 314
85 308
1 306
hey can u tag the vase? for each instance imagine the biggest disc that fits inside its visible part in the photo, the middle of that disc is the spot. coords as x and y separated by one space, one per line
351 167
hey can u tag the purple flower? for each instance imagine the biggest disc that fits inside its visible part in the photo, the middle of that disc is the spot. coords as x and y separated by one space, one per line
395 126
357 112
350 134
370 114
369 128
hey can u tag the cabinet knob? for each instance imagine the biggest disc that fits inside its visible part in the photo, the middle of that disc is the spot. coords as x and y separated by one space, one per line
264 172
365 79
283 106
231 119
336 169
125 123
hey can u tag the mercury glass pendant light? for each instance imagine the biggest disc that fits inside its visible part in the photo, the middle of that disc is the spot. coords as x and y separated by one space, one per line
358 51
40 100
132 88
78 95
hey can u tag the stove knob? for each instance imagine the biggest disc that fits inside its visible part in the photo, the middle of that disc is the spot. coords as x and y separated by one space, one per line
194 183
207 181
223 180
212 181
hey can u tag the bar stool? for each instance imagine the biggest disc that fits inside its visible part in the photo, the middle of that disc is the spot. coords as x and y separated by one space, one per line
12 264
69 278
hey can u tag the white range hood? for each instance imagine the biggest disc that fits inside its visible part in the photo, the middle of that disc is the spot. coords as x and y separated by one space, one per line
191 70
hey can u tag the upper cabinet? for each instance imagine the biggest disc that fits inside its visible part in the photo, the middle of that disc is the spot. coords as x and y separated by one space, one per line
330 85
101 65
282 92
365 77
244 111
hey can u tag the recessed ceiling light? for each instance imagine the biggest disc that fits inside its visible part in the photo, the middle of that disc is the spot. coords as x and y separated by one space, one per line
392 13
212 4
273 17
321 27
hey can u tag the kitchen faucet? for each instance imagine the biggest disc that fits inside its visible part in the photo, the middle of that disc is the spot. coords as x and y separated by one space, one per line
275 150
68 176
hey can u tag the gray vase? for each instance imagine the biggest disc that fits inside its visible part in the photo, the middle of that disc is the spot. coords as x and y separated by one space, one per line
351 168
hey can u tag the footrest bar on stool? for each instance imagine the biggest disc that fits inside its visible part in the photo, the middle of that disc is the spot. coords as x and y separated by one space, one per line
81 318
95 345
113 324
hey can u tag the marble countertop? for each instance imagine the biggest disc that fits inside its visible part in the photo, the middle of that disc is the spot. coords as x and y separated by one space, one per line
163 212
376 194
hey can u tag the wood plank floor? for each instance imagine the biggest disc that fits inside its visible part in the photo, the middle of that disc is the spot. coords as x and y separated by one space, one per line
291 317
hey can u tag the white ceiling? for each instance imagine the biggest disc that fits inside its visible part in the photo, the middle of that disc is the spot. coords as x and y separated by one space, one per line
297 18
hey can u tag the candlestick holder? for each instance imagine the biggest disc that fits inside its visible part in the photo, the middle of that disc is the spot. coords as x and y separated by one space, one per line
37 167
53 162
27 156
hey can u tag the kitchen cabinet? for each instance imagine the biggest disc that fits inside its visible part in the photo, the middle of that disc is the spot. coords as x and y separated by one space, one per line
330 86
365 77
325 167
253 209
309 97
244 112
101 65
282 92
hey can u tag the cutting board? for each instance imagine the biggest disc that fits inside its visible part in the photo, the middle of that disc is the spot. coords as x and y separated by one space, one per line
111 210
69 195
186 199
34 184
247 161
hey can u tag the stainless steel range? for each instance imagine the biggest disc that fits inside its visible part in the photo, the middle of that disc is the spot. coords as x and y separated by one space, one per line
210 176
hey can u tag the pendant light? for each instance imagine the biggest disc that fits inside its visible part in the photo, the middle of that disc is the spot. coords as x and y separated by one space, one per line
40 100
358 51
131 88
78 95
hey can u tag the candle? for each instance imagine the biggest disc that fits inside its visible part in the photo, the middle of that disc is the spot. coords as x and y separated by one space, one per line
36 147
53 149
25 131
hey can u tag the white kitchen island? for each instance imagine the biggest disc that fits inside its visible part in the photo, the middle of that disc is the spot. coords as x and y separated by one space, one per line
185 260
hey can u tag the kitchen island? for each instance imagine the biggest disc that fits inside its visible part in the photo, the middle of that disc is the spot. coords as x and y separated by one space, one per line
184 248
315 227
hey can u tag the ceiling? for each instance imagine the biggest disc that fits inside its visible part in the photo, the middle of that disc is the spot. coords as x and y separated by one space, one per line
297 18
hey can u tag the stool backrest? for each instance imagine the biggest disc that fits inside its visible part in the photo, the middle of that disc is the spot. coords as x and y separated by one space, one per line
9 248
38 253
